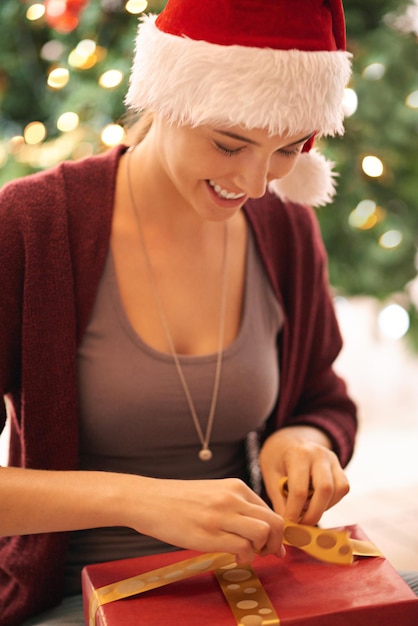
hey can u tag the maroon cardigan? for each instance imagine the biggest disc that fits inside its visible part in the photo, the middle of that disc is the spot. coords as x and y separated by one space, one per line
54 237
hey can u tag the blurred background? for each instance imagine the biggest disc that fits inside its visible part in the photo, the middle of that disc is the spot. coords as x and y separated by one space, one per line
64 67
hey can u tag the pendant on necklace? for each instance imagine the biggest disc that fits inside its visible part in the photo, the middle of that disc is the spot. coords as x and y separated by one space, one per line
205 454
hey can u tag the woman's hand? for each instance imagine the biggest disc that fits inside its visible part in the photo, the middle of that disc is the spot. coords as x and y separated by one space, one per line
222 515
211 515
304 455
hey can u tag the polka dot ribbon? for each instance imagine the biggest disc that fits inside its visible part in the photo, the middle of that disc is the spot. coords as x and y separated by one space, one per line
240 584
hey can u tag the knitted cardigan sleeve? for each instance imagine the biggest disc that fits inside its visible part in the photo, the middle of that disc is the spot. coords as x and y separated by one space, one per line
54 236
11 293
311 393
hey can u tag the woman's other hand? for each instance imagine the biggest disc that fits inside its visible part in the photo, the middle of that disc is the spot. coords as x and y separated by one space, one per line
304 455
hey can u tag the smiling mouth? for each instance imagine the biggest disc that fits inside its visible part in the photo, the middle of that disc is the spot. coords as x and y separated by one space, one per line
223 193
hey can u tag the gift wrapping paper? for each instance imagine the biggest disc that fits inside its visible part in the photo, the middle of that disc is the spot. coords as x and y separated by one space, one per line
188 588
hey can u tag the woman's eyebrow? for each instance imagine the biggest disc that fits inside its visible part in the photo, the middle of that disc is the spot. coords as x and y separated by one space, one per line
228 133
294 143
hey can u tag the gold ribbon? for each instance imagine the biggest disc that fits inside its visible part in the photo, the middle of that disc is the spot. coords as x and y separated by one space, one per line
246 597
330 545
156 578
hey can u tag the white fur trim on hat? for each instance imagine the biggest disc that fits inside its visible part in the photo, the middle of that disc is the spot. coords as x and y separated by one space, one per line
195 82
311 181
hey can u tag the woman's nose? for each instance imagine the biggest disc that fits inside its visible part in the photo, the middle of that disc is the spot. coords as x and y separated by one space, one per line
252 177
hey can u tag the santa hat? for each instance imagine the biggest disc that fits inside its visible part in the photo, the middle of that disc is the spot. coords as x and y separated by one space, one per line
275 64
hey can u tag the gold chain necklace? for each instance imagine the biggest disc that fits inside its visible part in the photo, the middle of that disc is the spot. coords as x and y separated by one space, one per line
205 454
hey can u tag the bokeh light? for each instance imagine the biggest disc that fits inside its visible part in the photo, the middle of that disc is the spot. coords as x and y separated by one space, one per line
412 100
390 239
52 50
34 133
374 71
35 12
372 166
350 102
58 78
84 55
111 79
366 215
68 121
112 134
393 321
136 6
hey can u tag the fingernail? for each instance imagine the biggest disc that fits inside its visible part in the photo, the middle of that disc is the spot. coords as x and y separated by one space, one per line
282 552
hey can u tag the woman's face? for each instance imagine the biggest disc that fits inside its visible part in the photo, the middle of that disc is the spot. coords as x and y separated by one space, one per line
216 169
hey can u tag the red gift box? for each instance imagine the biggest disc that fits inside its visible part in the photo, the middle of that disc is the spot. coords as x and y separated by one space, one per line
303 591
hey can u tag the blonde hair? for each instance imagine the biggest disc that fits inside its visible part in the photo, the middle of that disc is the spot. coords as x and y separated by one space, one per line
137 127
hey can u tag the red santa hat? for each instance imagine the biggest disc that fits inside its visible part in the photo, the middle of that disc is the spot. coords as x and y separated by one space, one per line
275 64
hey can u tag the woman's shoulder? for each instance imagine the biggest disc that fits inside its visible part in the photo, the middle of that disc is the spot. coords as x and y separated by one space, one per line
63 185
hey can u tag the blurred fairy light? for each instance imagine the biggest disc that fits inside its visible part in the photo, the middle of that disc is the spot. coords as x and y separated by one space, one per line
49 153
390 239
86 47
136 6
350 102
52 50
76 60
67 122
412 100
35 12
34 133
58 78
3 155
372 166
366 215
374 71
112 134
84 55
15 144
412 290
393 321
110 79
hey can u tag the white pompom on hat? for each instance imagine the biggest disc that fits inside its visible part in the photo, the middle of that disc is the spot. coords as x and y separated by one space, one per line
274 64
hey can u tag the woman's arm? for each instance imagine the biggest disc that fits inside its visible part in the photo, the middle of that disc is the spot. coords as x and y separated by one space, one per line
311 393
209 515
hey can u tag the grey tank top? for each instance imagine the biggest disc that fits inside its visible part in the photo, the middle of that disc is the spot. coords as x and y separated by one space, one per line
134 416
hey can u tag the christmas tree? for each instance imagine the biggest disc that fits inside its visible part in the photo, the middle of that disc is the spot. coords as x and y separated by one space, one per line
64 66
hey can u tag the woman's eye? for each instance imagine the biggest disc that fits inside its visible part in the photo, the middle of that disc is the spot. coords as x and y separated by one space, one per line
290 153
226 151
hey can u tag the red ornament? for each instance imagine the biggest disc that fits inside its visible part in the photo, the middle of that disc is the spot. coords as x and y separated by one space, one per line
63 15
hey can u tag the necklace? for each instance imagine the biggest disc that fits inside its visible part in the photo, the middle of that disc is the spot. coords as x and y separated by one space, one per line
205 453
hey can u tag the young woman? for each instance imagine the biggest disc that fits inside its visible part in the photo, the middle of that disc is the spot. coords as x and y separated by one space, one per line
167 334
